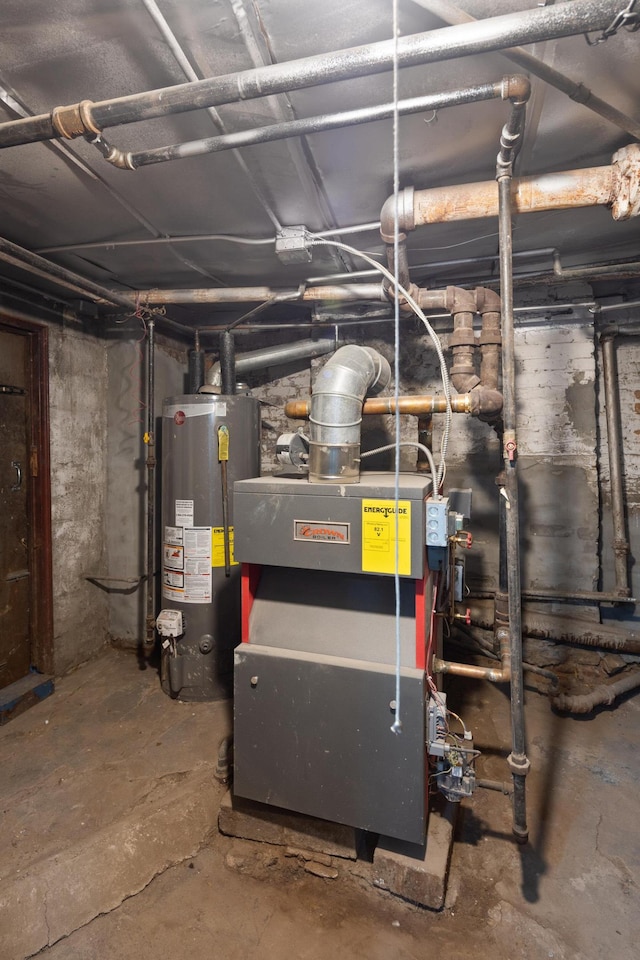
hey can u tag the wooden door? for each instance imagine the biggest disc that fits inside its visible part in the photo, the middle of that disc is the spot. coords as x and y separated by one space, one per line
15 551
26 592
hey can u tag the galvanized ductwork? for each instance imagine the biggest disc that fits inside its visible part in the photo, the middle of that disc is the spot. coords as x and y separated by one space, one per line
336 412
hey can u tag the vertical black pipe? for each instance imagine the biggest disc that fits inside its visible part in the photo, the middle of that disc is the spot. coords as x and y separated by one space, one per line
150 634
518 761
614 444
228 363
196 370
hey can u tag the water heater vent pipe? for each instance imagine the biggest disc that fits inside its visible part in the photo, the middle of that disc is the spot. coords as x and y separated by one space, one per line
336 412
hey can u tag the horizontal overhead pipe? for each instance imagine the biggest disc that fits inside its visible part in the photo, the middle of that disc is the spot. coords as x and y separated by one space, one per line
529 26
344 292
416 406
32 263
271 356
577 92
299 128
564 628
615 186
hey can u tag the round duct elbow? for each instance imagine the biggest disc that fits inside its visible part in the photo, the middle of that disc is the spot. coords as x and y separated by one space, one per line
336 412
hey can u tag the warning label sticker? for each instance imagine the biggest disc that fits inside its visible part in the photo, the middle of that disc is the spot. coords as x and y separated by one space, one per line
186 575
217 547
379 520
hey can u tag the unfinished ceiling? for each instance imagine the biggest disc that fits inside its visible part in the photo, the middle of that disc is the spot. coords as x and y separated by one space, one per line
195 222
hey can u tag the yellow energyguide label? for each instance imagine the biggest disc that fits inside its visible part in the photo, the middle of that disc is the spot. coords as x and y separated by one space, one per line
217 547
379 536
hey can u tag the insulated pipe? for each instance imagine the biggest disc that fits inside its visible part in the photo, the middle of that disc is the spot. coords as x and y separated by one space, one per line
576 91
336 412
228 363
270 356
604 694
529 26
517 90
562 628
615 186
614 444
150 634
518 761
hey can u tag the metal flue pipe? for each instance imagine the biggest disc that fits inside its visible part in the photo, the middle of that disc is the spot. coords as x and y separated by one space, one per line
529 26
336 412
271 356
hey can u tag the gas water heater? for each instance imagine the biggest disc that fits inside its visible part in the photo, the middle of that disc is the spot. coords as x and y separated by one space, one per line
208 442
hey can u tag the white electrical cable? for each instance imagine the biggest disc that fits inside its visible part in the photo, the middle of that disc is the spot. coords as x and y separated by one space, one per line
405 443
397 724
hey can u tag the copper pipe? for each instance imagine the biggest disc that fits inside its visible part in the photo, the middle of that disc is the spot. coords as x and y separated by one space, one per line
495 675
415 406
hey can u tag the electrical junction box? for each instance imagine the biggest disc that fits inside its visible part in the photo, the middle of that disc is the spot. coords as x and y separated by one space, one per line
292 245
170 624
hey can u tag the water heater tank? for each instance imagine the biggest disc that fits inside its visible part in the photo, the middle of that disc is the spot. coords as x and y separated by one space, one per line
200 579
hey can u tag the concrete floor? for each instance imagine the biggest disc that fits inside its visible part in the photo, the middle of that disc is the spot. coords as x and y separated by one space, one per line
109 847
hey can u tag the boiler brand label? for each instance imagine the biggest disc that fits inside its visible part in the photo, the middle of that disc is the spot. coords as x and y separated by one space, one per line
381 519
323 531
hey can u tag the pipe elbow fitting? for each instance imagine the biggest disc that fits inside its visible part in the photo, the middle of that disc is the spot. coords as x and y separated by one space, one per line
516 88
485 403
406 219
487 300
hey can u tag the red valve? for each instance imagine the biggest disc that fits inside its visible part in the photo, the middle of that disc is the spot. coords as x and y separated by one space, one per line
466 616
469 541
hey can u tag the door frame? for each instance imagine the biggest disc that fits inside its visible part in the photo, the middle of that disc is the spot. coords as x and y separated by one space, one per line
39 499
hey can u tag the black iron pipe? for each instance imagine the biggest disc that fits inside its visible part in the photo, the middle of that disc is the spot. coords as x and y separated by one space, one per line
518 761
81 286
227 363
309 125
196 370
150 632
578 92
529 26
614 445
